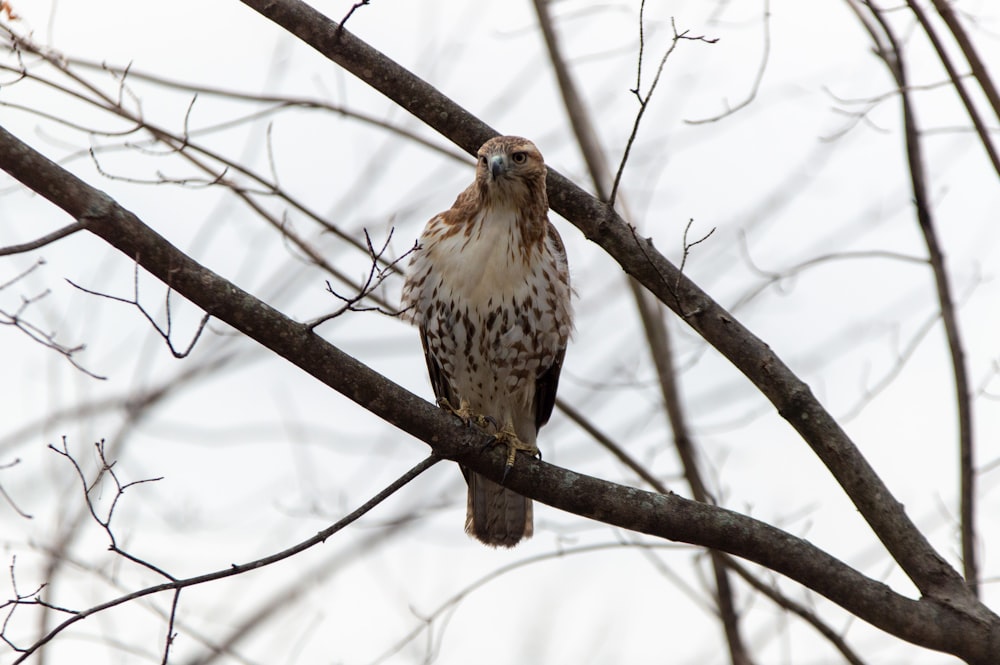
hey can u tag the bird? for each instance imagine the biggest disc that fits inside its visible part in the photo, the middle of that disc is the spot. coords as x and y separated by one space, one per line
488 286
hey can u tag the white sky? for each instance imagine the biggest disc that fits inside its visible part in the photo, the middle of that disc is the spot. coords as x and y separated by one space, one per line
260 456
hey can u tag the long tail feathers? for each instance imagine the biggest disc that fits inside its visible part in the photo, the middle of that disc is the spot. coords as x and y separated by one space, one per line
495 515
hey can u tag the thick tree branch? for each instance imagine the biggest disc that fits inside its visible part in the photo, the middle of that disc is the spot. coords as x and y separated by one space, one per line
961 628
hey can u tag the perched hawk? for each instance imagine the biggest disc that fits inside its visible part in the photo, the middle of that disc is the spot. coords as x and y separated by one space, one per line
489 289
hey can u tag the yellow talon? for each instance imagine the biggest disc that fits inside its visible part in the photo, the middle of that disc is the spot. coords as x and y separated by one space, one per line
508 437
465 414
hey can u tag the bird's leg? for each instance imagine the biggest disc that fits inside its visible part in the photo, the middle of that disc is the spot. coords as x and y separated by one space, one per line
465 414
508 437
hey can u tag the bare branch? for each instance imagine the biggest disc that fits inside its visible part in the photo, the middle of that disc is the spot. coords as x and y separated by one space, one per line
164 333
176 584
644 98
376 275
106 469
69 229
958 84
758 78
354 8
47 339
7 496
889 51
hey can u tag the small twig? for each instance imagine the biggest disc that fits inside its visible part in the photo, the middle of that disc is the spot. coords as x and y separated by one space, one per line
758 78
186 131
377 273
7 497
46 339
165 334
235 569
644 98
69 229
269 146
350 12
170 627
687 252
107 469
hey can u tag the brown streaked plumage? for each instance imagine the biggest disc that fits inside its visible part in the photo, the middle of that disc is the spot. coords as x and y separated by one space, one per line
489 290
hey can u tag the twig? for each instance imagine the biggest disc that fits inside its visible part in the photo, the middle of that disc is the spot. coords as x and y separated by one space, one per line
236 569
350 12
107 469
46 339
376 275
758 78
644 98
69 229
7 496
164 333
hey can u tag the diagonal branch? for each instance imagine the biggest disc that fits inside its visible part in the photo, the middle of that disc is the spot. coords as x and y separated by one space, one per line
979 70
956 81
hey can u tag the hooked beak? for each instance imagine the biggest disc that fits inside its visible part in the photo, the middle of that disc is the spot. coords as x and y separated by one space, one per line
498 165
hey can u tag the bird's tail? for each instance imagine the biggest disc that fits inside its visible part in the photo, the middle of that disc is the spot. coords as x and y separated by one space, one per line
495 515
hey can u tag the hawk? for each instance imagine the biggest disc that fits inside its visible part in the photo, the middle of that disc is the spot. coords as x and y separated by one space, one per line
488 287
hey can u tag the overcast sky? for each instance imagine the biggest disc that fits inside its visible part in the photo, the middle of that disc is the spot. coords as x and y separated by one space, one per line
256 456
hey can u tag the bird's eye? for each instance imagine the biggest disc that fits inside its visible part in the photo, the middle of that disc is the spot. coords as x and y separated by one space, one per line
482 159
519 157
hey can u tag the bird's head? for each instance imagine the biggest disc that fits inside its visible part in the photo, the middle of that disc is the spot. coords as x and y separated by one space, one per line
510 169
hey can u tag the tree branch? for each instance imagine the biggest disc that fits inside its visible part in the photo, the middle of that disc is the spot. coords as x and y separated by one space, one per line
176 584
892 55
956 82
48 238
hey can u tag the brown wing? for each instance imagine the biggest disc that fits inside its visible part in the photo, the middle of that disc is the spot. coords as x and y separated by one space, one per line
548 379
545 390
440 385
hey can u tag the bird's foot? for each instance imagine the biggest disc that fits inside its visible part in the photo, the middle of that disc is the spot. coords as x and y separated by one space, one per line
465 414
508 437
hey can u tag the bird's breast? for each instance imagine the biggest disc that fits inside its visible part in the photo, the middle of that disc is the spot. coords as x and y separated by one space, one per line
487 262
